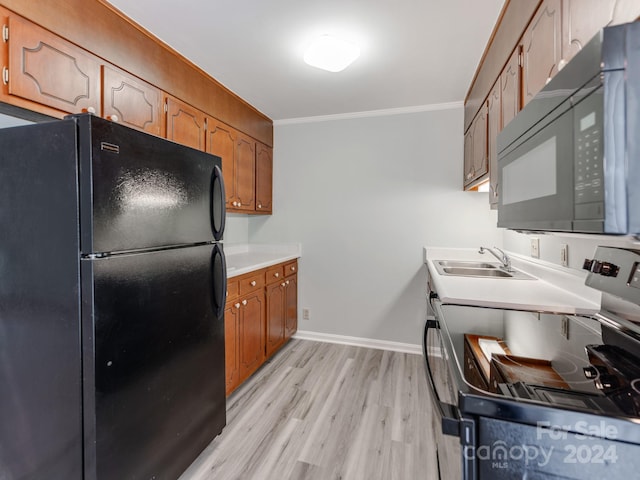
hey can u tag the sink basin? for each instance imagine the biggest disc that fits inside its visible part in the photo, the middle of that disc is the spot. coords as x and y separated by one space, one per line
476 272
464 268
466 264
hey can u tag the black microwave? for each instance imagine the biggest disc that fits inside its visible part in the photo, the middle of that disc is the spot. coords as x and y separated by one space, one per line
570 160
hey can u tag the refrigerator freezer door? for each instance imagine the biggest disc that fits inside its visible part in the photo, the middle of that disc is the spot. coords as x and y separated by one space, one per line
139 191
40 371
158 364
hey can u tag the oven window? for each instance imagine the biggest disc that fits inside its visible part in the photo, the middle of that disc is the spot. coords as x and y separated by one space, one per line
532 175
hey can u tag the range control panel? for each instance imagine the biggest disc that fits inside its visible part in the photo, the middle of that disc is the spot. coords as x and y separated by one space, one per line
615 271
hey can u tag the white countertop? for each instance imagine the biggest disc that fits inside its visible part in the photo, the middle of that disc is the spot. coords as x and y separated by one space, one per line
553 289
249 257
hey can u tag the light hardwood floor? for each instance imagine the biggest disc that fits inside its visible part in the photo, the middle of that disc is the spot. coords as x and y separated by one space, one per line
323 411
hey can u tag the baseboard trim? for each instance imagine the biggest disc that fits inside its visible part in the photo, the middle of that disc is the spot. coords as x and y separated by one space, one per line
359 342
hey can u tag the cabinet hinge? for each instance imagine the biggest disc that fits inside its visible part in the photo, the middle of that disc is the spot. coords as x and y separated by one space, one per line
5 75
5 33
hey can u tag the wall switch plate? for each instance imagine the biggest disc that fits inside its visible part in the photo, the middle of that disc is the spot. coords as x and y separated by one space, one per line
564 255
535 247
305 314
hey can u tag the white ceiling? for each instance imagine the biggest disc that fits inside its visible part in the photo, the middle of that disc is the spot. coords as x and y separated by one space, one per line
414 52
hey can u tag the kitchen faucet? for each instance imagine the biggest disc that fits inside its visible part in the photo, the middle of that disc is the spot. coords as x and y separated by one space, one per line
503 257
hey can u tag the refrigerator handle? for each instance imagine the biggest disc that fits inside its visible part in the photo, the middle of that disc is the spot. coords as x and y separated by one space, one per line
218 203
219 275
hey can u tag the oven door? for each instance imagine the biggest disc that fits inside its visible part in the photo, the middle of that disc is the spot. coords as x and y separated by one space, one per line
454 435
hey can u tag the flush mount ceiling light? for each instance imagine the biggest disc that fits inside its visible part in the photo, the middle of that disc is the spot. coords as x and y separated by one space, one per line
331 53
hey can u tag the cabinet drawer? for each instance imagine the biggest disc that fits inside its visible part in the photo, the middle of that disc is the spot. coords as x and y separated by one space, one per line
251 283
275 273
233 288
291 268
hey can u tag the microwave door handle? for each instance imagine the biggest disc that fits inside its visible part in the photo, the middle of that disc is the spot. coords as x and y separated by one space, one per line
450 420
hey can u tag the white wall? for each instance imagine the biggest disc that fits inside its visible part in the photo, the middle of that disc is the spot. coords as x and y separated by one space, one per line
363 196
236 229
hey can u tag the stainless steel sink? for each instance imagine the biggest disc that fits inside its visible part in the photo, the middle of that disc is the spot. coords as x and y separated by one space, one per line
476 272
466 264
463 268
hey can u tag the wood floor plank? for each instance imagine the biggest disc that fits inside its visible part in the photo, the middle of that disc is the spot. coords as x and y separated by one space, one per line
320 411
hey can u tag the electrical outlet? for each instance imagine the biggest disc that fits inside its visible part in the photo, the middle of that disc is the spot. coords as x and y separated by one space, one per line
305 314
564 330
564 255
535 247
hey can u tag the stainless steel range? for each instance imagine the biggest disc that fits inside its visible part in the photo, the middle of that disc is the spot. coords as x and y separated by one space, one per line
528 394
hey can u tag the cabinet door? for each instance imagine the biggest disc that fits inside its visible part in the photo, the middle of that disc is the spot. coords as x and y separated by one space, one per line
494 126
275 316
581 20
511 88
221 141
252 350
131 101
468 153
48 70
479 136
185 124
231 346
264 178
542 48
291 306
246 173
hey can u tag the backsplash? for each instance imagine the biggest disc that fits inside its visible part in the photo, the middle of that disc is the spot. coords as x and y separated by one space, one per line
580 246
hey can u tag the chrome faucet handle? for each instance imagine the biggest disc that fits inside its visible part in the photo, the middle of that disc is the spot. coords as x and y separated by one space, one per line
503 257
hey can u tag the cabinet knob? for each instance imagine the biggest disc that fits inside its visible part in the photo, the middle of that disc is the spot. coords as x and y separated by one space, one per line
293 269
235 204
561 64
237 305
469 175
282 284
244 302
548 80
259 205
253 283
113 118
276 274
287 282
89 110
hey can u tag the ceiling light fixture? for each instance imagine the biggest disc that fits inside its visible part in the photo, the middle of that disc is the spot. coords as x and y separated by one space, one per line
331 53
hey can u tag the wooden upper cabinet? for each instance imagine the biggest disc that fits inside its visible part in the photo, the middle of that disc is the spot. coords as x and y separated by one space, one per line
582 19
264 178
185 124
131 101
541 48
476 165
245 173
494 125
221 141
511 86
45 69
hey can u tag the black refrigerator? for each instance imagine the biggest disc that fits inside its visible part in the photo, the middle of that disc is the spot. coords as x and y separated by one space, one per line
112 291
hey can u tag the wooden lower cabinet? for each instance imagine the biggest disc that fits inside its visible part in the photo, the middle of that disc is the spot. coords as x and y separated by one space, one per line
275 316
251 333
291 307
261 314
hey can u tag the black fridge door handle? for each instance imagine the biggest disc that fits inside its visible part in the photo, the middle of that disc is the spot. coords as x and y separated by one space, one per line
219 276
218 203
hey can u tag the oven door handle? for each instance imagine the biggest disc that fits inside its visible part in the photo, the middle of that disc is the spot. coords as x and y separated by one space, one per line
450 419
